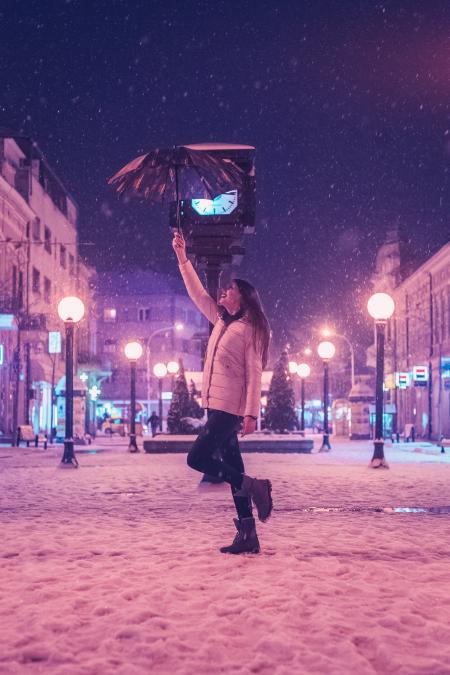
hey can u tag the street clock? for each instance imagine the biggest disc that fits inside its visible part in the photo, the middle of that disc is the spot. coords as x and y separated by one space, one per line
219 206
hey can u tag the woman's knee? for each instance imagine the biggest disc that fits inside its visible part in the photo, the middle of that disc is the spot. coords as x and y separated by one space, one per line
193 460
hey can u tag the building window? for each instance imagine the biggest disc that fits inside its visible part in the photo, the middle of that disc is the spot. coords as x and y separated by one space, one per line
110 345
109 314
47 290
71 264
144 314
20 291
36 281
47 239
62 256
161 314
36 229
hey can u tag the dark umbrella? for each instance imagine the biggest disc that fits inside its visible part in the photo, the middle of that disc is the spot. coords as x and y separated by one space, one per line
181 172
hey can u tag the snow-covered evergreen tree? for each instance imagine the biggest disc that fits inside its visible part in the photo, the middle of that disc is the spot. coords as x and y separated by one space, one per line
280 415
179 405
195 410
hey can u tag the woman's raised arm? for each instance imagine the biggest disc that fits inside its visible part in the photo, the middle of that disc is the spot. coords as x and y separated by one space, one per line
197 292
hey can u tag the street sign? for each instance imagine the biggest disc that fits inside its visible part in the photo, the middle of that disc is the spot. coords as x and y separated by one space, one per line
2 354
54 342
403 380
421 376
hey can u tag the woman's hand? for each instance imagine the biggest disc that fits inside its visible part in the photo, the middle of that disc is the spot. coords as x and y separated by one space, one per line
248 426
179 246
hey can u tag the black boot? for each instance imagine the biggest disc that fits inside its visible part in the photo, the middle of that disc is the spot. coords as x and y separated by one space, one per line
260 492
246 539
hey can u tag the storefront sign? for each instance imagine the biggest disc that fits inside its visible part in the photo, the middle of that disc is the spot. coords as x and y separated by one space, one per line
2 354
403 380
54 342
7 321
421 376
445 367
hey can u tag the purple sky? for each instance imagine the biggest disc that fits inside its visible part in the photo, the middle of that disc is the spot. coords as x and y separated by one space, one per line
346 103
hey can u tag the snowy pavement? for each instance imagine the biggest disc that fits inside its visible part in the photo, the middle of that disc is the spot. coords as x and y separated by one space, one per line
114 567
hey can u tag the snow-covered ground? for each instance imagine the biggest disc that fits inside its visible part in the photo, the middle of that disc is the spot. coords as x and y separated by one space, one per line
114 567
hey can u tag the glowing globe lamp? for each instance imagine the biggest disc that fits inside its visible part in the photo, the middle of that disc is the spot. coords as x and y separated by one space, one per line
326 350
133 351
303 370
173 367
381 306
160 370
292 367
71 309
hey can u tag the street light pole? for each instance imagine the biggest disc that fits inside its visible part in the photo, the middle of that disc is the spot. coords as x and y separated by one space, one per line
133 352
178 327
326 351
70 310
132 447
303 371
160 383
327 332
69 455
380 307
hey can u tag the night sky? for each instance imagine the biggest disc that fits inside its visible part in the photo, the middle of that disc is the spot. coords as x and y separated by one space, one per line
347 103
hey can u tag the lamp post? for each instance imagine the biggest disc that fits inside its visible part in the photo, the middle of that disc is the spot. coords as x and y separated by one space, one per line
160 371
326 351
328 332
303 371
380 307
71 311
133 352
177 327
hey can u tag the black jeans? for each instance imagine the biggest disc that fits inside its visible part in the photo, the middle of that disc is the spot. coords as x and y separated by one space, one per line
216 452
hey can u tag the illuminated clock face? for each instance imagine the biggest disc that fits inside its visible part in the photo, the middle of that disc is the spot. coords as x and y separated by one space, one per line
219 206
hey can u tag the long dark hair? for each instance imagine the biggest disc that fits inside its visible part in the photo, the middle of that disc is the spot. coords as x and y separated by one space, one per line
252 306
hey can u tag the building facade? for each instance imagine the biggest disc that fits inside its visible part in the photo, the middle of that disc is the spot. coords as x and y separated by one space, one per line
146 306
417 370
39 265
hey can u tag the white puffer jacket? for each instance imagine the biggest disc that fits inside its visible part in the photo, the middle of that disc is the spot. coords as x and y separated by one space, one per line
233 369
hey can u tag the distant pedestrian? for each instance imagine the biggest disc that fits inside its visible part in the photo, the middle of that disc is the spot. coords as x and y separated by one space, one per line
236 354
153 422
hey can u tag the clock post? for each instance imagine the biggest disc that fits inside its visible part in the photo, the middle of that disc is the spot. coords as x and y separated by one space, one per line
214 229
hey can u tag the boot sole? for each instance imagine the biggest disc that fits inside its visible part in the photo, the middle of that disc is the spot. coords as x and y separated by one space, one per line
266 518
252 551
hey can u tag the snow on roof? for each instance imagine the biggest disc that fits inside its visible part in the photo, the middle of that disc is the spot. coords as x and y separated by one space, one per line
218 146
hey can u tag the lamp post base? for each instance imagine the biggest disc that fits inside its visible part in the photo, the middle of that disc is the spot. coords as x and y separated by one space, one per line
378 461
325 447
132 446
68 460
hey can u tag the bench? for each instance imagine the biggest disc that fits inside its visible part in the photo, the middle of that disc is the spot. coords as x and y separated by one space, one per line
26 433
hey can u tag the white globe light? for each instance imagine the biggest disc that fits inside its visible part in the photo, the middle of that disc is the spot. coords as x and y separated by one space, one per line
71 309
303 370
326 332
133 351
179 326
292 367
160 370
381 306
326 350
173 367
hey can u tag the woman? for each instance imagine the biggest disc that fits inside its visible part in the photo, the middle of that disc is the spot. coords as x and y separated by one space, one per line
236 355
